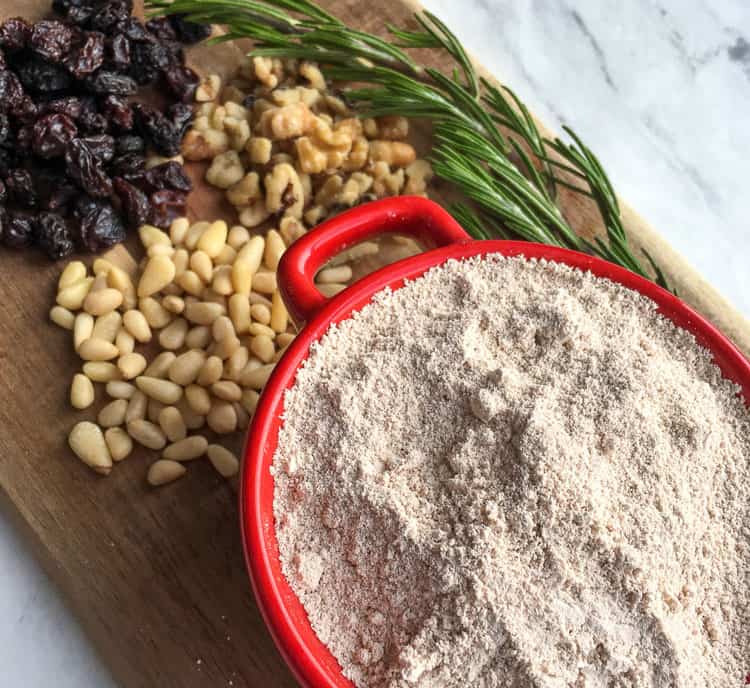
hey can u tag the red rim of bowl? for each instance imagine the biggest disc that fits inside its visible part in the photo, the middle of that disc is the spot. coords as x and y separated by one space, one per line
309 659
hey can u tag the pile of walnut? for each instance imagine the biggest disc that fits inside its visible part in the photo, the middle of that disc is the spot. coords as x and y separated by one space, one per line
207 295
286 148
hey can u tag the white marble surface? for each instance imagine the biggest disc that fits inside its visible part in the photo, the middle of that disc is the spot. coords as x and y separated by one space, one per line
659 89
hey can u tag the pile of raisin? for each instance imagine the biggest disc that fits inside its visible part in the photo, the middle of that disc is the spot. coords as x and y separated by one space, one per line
74 140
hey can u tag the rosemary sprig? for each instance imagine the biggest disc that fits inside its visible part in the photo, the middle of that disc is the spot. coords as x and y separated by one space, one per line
487 144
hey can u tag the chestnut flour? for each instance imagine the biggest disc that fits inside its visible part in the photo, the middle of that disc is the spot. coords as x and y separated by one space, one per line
510 473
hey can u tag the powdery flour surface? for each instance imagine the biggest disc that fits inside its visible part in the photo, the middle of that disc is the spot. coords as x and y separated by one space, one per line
512 474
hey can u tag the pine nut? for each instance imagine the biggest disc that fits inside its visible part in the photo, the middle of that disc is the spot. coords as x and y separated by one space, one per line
226 390
331 290
279 314
74 272
97 350
99 283
106 326
174 304
124 342
238 236
193 420
118 279
136 323
222 280
173 335
101 266
102 301
131 365
194 233
119 443
160 250
226 347
198 337
202 266
198 399
162 472
284 339
256 329
150 236
159 367
62 317
210 372
226 463
222 328
156 315
159 272
256 378
203 312
118 389
87 442
249 400
136 407
73 296
181 258
113 414
342 273
240 312
210 296
255 297
172 289
146 433
222 418
246 264
235 364
81 392
185 368
226 256
262 346
214 238
153 411
178 229
265 282
190 448
100 371
172 424
165 391
366 248
191 283
278 355
243 419
261 313
275 248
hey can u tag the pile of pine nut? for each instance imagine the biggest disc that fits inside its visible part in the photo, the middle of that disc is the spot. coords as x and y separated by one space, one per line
189 342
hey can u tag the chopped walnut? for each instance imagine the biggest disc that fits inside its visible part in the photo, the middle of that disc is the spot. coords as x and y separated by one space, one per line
259 149
417 176
208 89
263 69
394 153
286 122
204 145
245 191
394 127
311 72
284 192
254 214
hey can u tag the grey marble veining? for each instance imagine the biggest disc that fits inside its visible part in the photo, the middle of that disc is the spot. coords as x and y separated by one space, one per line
659 89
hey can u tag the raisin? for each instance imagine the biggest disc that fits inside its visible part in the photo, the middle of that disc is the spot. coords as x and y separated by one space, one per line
130 144
118 52
162 29
51 40
148 60
249 101
127 165
11 91
3 193
110 14
24 138
7 162
134 202
181 115
77 12
167 206
41 77
3 63
91 120
82 166
25 110
102 146
157 130
52 134
88 57
100 226
52 235
181 81
117 110
20 185
133 30
5 132
187 31
17 231
69 106
169 175
105 82
58 196
14 34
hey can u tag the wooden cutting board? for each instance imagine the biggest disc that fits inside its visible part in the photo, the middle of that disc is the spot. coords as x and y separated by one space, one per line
157 576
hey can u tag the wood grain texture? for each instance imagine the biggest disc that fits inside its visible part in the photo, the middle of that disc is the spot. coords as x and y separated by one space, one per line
157 576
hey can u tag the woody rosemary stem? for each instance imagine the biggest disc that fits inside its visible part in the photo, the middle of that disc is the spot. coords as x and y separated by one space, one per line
486 143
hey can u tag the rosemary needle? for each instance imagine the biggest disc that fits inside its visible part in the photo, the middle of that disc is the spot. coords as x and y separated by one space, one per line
487 145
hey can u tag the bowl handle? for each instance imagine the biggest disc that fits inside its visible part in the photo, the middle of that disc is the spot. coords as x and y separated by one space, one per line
410 215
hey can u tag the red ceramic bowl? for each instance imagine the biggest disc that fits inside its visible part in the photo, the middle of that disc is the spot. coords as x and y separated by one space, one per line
310 661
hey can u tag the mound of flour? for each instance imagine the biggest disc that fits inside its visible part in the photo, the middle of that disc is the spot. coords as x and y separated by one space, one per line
513 474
